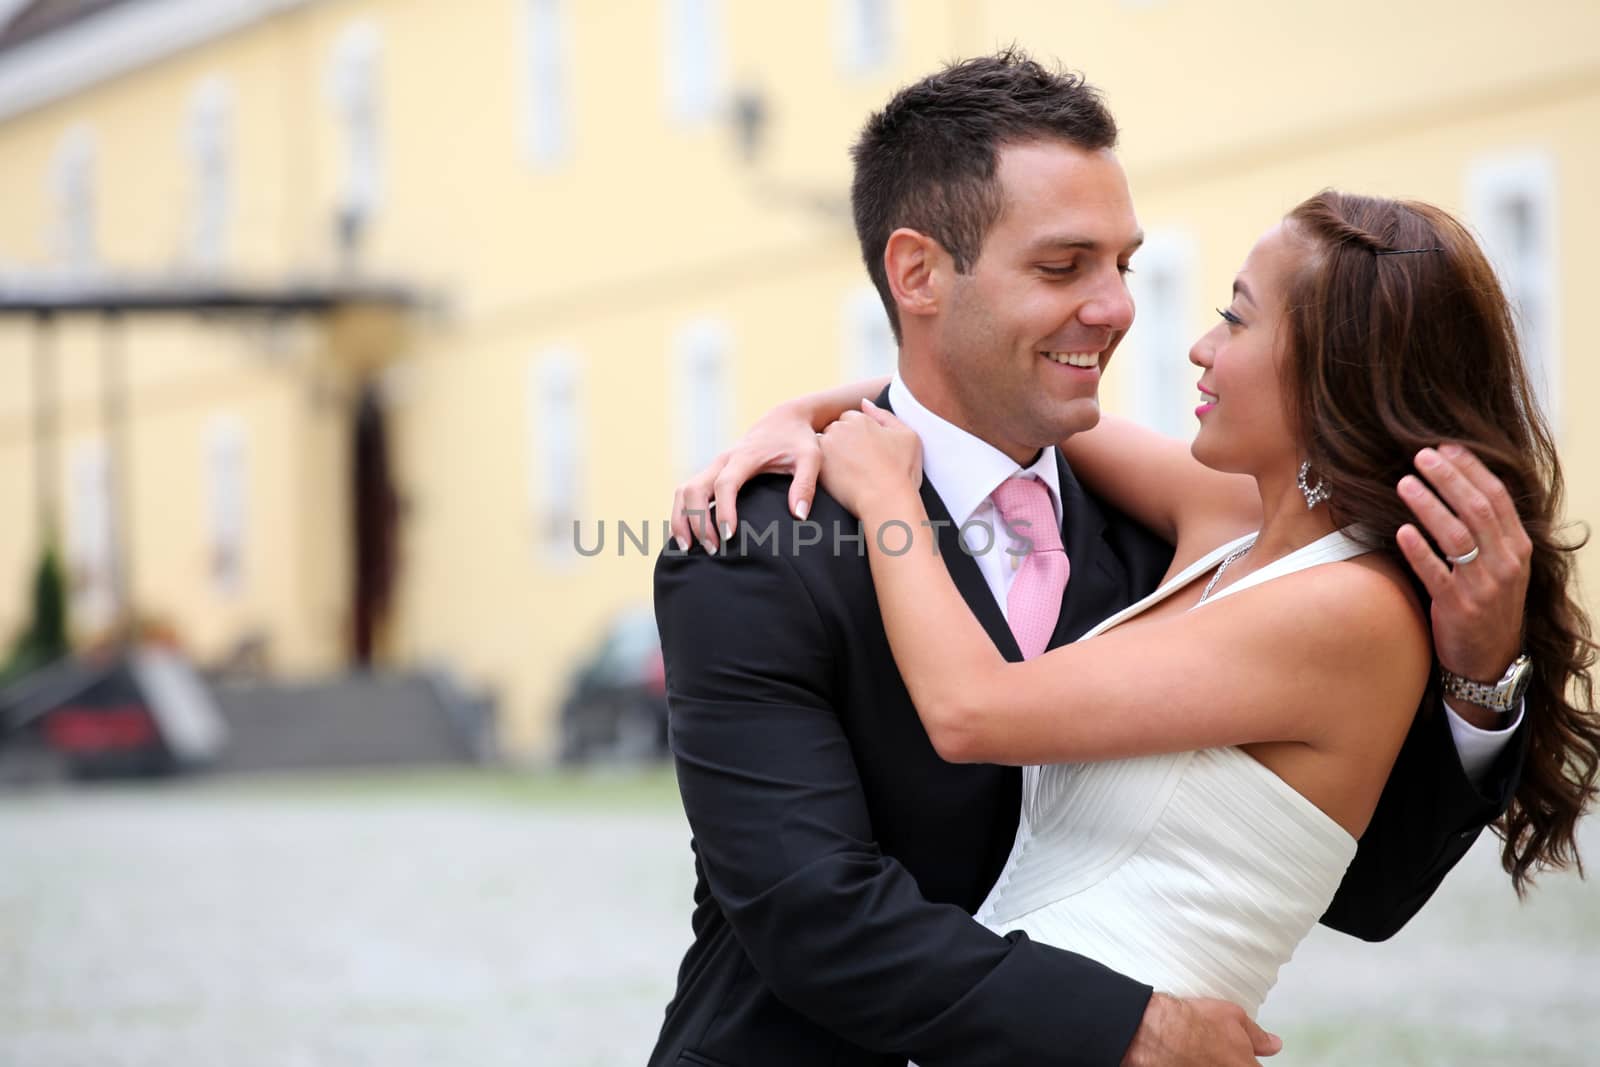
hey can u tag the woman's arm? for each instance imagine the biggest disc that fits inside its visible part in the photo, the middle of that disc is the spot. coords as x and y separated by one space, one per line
1271 664
782 442
824 407
1153 478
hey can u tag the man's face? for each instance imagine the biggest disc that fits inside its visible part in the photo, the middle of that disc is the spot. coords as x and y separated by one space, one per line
1025 335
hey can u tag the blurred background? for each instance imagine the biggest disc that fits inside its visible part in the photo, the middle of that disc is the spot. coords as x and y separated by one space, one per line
349 352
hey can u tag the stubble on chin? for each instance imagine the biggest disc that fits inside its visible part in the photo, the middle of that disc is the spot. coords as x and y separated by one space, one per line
1075 417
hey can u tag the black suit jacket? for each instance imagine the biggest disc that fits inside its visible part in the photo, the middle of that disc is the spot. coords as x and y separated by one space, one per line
838 859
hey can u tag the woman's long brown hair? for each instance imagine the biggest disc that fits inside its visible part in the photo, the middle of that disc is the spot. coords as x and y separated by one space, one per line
1391 353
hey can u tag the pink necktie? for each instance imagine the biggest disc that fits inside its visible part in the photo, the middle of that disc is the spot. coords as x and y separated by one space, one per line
1034 602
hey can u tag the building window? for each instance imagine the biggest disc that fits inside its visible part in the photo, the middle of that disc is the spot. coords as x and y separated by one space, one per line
868 348
1164 380
73 183
91 552
696 65
355 91
864 33
549 44
555 445
1512 202
210 150
227 485
702 355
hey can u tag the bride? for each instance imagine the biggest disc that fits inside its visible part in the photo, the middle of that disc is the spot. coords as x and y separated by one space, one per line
1200 766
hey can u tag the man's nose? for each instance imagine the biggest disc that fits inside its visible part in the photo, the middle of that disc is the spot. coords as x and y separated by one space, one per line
1110 307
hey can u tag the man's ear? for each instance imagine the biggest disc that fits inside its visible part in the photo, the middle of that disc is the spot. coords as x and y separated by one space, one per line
918 269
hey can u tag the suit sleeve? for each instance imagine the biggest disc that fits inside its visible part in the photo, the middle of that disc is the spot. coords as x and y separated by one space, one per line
838 930
1428 817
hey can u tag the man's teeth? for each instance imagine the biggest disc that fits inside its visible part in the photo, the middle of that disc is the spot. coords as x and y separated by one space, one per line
1075 359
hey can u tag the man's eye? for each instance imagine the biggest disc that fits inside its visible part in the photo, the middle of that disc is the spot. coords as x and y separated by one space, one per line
1059 271
1124 269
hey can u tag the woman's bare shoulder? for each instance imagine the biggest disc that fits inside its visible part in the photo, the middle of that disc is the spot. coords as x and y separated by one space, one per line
1372 589
1345 643
1368 615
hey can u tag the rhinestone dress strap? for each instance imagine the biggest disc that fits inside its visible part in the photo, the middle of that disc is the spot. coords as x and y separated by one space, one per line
1189 574
1205 594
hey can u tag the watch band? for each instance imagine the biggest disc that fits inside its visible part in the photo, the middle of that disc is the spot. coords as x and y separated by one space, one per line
1502 696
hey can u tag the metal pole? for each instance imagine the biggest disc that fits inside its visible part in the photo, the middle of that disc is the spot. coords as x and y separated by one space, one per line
114 416
46 469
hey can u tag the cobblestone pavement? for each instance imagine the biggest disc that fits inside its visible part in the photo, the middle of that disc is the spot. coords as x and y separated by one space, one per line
185 925
206 927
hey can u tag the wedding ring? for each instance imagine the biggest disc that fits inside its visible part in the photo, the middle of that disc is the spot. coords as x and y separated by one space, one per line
1462 560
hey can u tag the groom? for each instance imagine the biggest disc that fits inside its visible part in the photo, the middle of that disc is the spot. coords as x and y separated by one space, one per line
838 857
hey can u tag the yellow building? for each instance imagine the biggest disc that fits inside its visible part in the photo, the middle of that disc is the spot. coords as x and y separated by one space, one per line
624 223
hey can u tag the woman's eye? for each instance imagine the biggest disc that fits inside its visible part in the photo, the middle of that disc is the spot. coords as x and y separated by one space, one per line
1230 318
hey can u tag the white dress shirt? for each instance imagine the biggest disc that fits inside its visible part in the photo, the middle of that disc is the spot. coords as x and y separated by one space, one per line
1477 747
965 469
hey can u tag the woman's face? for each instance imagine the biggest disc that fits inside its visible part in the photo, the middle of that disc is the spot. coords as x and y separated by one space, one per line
1244 422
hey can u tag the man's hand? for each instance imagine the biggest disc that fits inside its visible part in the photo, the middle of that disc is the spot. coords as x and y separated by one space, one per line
1197 1033
1478 605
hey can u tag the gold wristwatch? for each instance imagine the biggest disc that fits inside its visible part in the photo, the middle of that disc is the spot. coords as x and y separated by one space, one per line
1502 696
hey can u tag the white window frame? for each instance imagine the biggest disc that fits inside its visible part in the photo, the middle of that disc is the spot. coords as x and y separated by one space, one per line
355 90
227 481
73 181
1530 277
696 59
865 35
555 450
209 142
702 375
867 346
547 91
1162 284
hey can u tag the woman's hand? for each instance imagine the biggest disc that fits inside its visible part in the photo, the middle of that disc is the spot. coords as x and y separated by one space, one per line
782 442
870 457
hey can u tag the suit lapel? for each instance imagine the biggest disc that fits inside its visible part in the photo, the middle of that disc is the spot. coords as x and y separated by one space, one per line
964 569
1097 576
968 578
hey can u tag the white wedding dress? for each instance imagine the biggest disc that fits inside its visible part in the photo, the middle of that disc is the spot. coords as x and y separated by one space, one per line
1198 872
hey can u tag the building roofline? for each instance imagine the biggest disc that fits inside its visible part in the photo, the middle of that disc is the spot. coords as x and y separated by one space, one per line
21 23
43 298
118 40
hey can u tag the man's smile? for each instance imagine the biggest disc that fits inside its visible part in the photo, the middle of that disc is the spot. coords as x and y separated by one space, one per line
1074 359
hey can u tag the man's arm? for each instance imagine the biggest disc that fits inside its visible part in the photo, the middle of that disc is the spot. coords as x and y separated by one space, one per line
1427 819
838 930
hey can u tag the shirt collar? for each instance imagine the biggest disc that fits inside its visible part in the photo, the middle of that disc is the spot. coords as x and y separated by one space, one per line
965 469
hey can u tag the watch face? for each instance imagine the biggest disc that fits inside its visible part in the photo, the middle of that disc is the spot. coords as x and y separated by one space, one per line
1518 677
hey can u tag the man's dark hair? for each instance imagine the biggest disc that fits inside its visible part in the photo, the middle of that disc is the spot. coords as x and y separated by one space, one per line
927 161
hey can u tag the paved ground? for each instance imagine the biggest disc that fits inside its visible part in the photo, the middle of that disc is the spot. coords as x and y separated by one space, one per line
396 924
